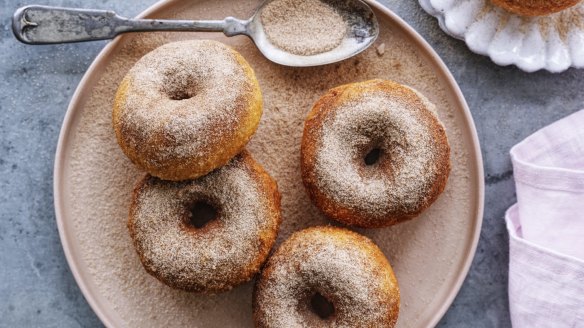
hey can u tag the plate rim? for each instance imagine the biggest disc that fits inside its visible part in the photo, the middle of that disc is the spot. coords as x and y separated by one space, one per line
77 100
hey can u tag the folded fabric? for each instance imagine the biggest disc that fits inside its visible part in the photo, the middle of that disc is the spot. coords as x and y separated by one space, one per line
546 227
548 168
546 288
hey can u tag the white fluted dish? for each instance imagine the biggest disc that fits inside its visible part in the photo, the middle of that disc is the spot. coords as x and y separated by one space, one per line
554 42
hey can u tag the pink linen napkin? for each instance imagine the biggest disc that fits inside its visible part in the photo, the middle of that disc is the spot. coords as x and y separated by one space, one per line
546 227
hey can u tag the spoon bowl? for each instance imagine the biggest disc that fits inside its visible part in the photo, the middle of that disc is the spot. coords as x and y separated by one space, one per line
362 31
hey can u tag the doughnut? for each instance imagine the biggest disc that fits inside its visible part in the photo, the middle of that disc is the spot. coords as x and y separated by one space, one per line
535 7
186 108
209 234
326 277
374 154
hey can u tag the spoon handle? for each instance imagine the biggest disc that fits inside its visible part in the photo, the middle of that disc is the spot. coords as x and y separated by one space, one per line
50 25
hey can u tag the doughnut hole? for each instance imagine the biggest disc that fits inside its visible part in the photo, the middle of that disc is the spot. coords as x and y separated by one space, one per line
372 153
316 307
373 156
321 306
381 152
181 84
201 214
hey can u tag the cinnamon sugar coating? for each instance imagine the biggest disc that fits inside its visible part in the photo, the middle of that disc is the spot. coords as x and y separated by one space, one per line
535 7
344 267
225 252
287 24
186 108
411 165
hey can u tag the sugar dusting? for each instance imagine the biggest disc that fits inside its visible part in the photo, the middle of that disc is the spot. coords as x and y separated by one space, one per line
303 27
565 22
204 261
177 102
313 261
425 253
535 7
409 157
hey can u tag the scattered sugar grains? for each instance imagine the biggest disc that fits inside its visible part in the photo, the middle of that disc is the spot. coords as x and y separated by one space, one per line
303 27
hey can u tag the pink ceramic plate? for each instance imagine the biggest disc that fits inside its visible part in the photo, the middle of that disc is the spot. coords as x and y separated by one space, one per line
93 180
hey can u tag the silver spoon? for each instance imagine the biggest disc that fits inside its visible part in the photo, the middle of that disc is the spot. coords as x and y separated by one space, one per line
50 25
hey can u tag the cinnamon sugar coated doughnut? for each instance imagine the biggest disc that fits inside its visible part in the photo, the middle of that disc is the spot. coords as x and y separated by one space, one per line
209 234
326 277
535 7
374 154
187 108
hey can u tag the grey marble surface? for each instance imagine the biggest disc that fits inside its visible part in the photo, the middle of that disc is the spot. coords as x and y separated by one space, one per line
36 83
